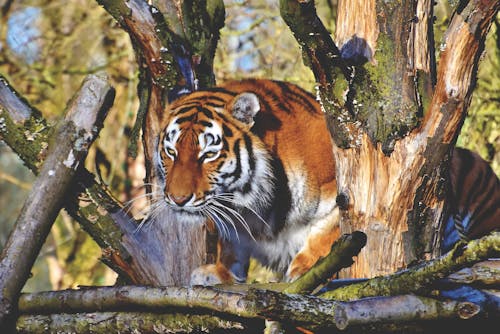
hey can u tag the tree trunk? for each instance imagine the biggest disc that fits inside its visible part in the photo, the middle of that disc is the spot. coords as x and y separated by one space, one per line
394 121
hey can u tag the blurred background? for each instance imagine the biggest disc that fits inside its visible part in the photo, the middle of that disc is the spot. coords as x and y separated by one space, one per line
48 46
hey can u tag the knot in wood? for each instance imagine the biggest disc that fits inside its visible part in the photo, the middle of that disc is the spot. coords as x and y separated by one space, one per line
343 201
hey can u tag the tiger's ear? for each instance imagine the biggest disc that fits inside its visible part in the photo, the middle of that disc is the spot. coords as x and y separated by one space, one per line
244 107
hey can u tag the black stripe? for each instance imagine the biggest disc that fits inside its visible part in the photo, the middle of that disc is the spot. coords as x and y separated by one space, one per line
249 147
237 171
206 112
206 123
185 119
246 188
299 95
185 109
225 144
227 131
215 105
213 98
221 163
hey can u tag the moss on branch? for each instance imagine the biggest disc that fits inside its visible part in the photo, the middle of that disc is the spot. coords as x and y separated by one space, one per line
413 279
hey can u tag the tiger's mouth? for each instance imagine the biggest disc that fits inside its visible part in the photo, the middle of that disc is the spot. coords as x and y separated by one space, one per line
222 209
188 204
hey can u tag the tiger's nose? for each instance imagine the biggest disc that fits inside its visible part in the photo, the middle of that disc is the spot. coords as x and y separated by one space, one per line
180 200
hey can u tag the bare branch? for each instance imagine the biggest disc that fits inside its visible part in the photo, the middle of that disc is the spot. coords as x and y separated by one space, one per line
125 322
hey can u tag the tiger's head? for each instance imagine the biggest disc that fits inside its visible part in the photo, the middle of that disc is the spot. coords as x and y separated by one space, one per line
208 161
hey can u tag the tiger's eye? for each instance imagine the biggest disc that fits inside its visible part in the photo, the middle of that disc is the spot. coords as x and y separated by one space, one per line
171 152
209 155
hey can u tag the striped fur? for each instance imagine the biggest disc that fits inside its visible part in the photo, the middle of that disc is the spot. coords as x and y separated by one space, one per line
474 202
254 157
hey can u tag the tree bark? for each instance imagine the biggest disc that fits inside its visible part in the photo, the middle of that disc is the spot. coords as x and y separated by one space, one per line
71 142
394 130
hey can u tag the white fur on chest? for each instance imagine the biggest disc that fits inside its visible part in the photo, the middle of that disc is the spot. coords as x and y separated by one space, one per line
278 252
308 211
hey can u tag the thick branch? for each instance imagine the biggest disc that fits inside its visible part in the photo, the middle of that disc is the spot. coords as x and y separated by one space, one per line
323 57
309 312
411 280
463 46
137 18
70 146
125 322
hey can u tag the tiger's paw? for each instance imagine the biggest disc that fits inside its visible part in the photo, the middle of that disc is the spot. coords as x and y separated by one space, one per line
211 274
299 266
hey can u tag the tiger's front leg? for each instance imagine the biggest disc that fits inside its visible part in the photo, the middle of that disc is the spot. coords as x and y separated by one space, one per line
323 234
233 260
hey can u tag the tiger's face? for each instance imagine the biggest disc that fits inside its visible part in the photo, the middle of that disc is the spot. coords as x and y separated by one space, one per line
208 161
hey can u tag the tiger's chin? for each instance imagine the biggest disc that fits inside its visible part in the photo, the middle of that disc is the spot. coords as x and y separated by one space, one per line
188 215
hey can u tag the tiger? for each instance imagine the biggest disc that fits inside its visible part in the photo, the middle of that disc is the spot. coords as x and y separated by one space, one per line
255 158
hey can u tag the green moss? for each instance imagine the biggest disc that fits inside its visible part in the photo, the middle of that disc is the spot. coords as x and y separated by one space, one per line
378 101
117 9
29 139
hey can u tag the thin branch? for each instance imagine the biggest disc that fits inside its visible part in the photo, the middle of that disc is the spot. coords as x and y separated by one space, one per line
71 142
